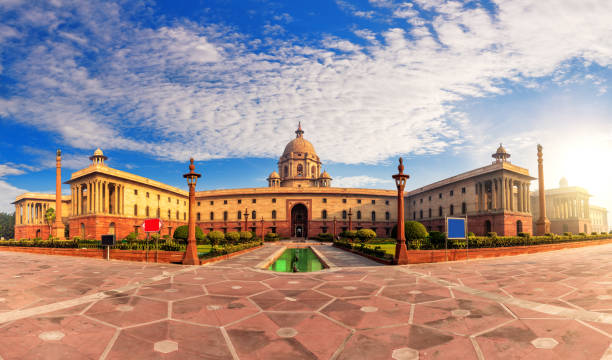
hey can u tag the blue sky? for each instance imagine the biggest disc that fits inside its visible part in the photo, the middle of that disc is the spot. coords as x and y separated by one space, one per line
441 83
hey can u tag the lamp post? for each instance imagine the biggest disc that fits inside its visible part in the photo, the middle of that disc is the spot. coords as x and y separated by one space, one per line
246 219
262 230
334 237
191 253
401 252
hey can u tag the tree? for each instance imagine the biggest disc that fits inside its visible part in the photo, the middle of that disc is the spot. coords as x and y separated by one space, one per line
182 232
365 234
414 230
49 219
7 225
232 237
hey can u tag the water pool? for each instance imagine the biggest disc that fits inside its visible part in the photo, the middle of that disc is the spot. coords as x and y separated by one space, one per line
297 260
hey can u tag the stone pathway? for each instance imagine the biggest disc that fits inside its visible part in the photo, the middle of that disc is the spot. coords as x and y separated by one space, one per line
555 305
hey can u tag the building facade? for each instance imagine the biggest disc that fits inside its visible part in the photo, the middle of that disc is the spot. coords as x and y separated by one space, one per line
569 210
494 198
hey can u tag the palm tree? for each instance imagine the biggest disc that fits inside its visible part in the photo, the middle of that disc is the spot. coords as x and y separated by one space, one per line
50 219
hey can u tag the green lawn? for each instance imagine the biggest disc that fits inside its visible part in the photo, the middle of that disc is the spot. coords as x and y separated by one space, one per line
205 249
388 248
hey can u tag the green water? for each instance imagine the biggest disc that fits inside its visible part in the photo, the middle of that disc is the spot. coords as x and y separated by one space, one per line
302 260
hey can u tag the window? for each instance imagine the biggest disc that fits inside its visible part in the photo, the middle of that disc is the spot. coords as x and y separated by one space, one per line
414 215
212 215
198 216
440 211
158 197
300 170
184 202
519 227
324 201
313 171
135 210
324 214
386 202
414 202
286 171
440 196
177 215
344 214
373 215
224 202
254 201
239 201
358 214
135 192
184 216
198 203
324 229
168 198
387 231
273 214
429 197
169 214
177 201
452 209
147 211
147 195
463 208
421 201
253 215
429 212
358 201
158 213
344 201
225 216
212 202
373 201
452 193
463 190
238 215
273 200
387 216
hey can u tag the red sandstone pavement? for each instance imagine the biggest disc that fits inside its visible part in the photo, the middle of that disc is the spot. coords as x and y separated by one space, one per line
555 305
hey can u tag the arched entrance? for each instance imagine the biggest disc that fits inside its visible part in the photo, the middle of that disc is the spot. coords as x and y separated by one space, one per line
487 226
519 227
299 221
111 229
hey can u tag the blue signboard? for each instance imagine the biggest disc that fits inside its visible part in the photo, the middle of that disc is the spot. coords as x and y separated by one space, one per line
456 228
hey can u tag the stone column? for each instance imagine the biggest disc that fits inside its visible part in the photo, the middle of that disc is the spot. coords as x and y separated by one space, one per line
116 200
59 225
107 198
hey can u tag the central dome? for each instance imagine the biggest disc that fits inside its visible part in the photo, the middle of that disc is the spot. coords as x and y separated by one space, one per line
299 144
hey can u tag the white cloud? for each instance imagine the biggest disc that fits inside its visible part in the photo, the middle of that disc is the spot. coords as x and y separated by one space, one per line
206 91
6 169
363 181
8 193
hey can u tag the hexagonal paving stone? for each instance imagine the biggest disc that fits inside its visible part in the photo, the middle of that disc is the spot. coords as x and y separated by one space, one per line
286 335
249 275
71 337
538 291
415 294
291 300
213 309
341 275
292 282
126 311
169 291
516 340
461 316
236 288
591 299
397 343
348 288
152 340
198 278
371 312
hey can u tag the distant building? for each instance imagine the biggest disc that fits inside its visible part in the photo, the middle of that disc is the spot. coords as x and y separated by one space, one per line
568 210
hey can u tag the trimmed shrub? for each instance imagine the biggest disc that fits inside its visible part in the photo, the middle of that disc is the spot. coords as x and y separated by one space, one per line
182 232
349 234
365 234
567 233
246 236
581 234
232 237
215 237
271 237
131 237
413 230
524 235
437 239
492 234
471 234
594 233
325 237
170 246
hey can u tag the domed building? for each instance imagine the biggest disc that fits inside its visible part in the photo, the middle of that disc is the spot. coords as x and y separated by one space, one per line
298 201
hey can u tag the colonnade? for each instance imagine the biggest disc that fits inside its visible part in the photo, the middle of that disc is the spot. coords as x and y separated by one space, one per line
499 193
98 197
32 212
570 207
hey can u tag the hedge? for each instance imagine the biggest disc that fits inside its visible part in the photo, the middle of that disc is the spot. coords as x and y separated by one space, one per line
214 252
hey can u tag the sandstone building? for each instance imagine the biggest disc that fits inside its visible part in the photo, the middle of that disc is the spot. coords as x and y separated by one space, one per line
298 201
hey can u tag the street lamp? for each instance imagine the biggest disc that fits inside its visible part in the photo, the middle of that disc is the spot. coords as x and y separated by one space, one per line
246 219
401 252
191 253
262 230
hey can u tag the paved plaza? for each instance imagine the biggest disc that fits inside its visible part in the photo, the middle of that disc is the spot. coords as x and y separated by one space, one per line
555 305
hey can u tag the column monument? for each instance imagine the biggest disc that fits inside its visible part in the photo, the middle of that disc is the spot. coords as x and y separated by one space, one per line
191 253
543 224
401 252
58 226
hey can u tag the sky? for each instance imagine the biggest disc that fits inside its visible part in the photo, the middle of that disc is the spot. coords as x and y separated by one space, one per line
440 83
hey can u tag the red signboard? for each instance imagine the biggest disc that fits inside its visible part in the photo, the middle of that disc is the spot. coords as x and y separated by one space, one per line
152 225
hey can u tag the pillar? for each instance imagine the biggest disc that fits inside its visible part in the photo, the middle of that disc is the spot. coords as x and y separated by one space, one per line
116 195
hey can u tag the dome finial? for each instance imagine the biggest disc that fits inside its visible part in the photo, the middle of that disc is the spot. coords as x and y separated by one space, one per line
299 132
501 155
